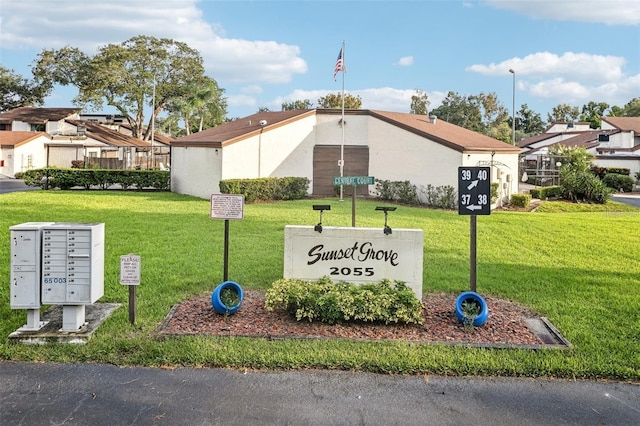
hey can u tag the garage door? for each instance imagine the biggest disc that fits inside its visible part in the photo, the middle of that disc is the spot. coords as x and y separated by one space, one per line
325 167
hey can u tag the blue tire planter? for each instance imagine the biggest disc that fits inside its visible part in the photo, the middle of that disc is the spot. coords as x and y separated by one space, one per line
472 297
217 303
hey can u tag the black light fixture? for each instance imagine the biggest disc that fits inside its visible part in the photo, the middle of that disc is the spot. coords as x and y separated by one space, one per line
386 210
322 208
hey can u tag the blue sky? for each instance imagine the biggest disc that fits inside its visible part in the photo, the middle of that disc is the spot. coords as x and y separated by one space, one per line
264 53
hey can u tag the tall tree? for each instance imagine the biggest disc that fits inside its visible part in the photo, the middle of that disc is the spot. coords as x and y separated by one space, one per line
125 75
16 91
501 132
461 111
420 103
201 106
631 109
592 112
334 101
492 111
297 104
528 121
563 113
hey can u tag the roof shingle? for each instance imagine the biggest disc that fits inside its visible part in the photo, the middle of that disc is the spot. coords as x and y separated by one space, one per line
37 115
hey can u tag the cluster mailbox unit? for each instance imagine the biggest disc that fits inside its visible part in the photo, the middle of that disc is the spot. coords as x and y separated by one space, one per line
56 264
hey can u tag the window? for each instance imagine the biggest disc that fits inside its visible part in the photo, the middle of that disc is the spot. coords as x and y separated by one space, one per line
38 127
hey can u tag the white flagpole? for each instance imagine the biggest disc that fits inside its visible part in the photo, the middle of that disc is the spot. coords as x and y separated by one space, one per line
342 122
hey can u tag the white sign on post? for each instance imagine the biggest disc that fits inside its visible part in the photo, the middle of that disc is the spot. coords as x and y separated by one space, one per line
227 206
130 269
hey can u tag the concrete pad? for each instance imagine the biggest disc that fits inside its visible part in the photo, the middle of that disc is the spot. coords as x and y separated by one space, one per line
546 332
95 315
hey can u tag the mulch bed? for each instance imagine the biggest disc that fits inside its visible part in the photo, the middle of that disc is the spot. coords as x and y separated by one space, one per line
505 326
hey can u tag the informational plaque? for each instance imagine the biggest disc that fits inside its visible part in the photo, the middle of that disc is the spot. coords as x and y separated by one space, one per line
130 269
227 206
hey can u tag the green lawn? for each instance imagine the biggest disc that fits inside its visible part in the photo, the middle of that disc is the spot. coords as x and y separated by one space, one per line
579 269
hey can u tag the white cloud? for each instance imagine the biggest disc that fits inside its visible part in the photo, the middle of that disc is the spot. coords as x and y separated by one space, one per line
405 61
571 92
572 78
234 60
610 12
241 101
574 65
89 25
382 98
251 90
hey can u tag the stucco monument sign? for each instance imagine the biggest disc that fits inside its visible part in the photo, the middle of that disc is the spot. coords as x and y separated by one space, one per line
356 255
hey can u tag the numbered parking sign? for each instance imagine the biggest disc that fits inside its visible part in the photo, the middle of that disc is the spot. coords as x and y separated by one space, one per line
474 190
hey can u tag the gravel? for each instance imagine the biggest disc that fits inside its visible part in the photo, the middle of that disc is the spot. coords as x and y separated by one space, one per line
506 324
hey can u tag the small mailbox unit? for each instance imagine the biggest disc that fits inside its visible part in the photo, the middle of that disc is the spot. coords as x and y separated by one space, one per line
57 264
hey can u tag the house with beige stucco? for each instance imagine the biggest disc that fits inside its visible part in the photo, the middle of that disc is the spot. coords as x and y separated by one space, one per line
314 143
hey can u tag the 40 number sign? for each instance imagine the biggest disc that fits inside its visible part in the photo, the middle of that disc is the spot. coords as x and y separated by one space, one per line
474 190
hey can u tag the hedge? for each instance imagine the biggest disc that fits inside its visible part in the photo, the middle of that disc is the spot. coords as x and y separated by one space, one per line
521 200
439 197
264 189
619 182
545 192
601 172
51 178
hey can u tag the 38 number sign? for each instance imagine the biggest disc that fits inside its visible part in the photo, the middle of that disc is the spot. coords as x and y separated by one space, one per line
474 190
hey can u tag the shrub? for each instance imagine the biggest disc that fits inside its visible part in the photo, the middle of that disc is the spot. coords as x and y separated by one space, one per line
52 177
287 188
400 191
583 187
440 197
543 193
521 200
601 172
618 182
330 302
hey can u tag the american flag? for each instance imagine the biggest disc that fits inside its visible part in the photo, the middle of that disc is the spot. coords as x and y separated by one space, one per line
339 66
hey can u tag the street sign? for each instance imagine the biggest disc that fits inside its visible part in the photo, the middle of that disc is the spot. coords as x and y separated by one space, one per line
474 190
354 180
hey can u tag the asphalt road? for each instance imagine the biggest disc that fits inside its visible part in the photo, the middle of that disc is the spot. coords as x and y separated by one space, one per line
93 394
13 185
633 200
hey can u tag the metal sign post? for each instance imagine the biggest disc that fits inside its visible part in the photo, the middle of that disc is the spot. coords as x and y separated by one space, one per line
353 180
474 198
227 207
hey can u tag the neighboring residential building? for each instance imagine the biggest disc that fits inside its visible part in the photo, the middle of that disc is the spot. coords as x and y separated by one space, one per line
616 144
20 151
29 119
40 137
309 143
118 151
